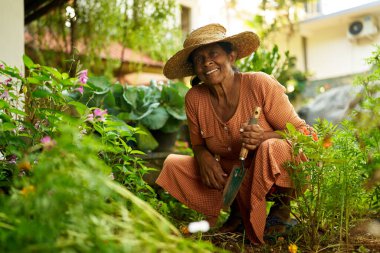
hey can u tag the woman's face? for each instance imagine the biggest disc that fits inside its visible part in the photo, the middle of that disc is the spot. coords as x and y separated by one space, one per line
212 64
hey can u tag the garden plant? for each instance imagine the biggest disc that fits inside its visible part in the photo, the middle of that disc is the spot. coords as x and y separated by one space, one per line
71 177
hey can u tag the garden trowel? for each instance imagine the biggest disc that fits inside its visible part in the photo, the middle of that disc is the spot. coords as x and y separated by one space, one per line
237 174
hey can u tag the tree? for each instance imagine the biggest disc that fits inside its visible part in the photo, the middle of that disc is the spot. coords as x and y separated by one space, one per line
89 28
277 14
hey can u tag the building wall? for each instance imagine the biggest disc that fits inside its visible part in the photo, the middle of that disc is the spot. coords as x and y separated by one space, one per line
328 51
217 11
12 32
292 43
331 54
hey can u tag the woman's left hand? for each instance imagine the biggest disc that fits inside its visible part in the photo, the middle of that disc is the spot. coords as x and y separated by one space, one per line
252 136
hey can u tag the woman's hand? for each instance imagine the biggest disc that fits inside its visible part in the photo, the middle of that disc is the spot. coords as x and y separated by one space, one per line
212 174
252 136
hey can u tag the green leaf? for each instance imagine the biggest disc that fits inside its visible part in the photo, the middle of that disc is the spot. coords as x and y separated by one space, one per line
146 141
53 72
177 113
130 95
65 76
156 119
123 116
172 125
109 101
17 111
28 62
81 108
41 93
33 80
99 83
139 115
7 126
3 104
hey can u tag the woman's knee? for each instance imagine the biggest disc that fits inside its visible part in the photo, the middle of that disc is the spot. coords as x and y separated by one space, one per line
276 146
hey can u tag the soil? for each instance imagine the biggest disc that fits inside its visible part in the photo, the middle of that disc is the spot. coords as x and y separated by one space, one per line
364 237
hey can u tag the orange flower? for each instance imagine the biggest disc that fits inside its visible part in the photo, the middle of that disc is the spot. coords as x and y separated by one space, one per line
292 248
315 136
305 131
184 230
27 189
327 142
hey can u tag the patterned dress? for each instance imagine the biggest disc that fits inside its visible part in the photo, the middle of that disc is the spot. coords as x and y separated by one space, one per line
180 175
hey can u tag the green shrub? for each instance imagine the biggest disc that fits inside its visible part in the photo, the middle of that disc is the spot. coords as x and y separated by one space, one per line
69 204
284 70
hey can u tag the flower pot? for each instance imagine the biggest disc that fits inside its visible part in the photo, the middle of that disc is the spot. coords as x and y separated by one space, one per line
165 141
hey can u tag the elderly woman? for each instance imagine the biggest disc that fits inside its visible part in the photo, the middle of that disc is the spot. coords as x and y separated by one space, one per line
218 109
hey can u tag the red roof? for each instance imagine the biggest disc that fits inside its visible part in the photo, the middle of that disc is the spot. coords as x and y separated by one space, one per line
113 51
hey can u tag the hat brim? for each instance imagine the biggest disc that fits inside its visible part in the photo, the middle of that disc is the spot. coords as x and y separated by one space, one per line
178 66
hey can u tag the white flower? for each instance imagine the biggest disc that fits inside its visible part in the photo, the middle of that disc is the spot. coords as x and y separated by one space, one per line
199 226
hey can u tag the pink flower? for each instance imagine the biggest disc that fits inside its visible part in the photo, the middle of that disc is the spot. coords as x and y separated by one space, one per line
46 139
21 75
83 76
99 114
2 66
4 95
90 117
80 89
7 81
13 159
48 143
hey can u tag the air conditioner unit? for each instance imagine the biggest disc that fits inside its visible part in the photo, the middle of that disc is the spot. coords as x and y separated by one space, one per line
362 27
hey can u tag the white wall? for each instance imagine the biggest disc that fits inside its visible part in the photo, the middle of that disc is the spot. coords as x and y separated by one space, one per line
332 54
329 51
204 12
291 43
12 32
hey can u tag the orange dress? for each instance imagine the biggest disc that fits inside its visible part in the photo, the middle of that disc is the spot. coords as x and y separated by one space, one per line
180 175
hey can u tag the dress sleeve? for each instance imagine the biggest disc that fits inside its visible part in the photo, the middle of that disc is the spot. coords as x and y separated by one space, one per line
192 118
277 108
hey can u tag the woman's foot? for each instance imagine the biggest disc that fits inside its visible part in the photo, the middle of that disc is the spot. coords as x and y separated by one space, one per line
234 223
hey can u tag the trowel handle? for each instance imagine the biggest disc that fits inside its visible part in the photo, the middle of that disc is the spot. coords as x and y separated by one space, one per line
252 121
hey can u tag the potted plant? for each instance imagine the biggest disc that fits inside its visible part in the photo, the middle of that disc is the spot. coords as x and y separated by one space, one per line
160 109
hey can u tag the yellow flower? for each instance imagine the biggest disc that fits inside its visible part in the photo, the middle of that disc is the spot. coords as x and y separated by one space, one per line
27 189
292 248
24 165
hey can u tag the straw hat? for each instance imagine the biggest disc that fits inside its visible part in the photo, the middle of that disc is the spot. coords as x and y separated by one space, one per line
178 65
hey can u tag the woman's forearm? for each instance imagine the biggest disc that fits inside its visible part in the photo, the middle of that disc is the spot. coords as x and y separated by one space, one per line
271 135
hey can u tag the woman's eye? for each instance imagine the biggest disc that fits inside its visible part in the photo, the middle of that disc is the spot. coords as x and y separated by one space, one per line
197 59
214 54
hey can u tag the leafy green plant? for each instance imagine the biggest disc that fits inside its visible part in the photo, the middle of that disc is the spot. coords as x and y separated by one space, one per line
62 174
366 120
69 204
284 70
157 107
329 183
31 106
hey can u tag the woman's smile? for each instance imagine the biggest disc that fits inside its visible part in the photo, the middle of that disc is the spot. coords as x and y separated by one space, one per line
211 71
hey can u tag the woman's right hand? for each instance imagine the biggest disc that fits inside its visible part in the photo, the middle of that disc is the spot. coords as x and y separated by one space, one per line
212 174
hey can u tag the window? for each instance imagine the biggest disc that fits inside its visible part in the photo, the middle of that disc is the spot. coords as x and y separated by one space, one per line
312 7
185 20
